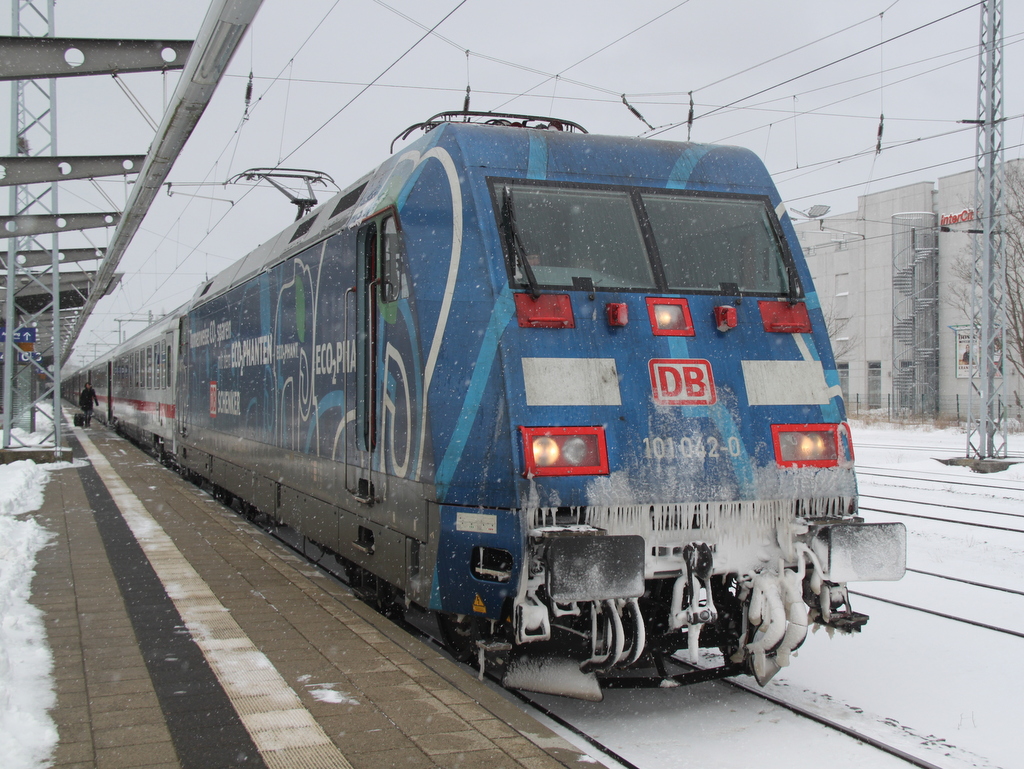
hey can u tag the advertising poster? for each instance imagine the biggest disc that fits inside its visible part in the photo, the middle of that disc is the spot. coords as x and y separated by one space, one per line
964 351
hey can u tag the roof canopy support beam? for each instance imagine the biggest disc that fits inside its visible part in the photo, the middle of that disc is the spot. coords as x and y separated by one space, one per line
38 258
27 58
23 170
39 224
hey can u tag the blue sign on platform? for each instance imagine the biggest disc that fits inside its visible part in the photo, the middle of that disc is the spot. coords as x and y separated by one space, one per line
21 335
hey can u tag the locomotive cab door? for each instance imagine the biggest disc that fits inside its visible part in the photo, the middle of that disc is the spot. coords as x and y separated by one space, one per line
379 286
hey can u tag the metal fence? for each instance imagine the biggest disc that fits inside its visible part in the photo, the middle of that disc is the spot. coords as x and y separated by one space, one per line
951 409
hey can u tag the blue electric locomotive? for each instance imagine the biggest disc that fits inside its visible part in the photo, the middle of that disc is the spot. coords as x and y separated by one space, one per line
572 393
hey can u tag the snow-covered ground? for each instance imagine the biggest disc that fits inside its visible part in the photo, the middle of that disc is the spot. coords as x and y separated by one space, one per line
27 733
953 690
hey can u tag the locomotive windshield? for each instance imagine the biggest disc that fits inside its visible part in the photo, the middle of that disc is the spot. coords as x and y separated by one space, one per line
628 238
707 242
574 233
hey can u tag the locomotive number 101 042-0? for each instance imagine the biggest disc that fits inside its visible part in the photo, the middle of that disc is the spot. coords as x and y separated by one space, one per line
692 447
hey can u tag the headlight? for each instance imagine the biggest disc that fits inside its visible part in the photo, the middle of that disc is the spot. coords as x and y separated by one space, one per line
545 451
670 317
806 445
565 450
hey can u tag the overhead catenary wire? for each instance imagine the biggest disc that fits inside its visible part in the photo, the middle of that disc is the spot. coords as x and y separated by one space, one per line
777 57
820 165
653 98
761 106
606 95
971 50
817 111
214 224
532 69
548 76
372 82
233 139
821 67
918 169
603 48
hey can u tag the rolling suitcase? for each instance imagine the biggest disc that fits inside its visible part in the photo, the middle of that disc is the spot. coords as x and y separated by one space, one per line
79 420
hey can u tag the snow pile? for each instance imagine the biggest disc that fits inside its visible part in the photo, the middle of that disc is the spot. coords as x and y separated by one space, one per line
27 733
326 692
43 436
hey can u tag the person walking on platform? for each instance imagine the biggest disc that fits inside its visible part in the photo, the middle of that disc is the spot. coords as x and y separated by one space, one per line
86 401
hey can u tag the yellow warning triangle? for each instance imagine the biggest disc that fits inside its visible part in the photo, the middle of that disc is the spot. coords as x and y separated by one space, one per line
478 605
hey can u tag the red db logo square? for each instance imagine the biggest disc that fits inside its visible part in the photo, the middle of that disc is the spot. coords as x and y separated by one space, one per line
682 382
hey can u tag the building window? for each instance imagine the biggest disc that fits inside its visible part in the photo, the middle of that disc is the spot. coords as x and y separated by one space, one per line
844 379
841 303
874 384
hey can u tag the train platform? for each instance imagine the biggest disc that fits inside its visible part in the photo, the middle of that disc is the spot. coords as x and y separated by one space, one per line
182 636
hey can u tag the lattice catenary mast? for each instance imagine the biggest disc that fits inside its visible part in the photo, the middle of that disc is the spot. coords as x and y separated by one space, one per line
986 426
33 133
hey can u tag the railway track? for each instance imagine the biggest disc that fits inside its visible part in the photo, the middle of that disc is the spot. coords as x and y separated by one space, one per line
947 448
967 581
943 615
856 734
944 506
986 516
981 513
942 520
543 709
892 750
988 484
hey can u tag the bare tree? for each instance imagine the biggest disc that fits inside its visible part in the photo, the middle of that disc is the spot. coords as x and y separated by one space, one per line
1013 234
843 343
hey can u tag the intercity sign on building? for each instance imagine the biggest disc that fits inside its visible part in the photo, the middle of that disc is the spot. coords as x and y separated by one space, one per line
967 215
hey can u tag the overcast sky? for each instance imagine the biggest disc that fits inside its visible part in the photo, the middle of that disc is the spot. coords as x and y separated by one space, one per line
800 83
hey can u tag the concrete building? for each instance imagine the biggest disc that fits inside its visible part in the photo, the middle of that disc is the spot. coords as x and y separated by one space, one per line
893 287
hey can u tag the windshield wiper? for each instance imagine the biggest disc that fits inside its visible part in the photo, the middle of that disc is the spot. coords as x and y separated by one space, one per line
515 243
794 294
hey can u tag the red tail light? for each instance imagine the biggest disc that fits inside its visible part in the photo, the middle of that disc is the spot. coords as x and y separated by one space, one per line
565 450
785 318
546 311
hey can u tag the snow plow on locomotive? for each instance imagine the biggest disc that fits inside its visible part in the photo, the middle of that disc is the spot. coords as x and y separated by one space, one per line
572 394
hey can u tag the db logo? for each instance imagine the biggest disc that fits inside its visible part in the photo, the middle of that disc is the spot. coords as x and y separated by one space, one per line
213 399
682 382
